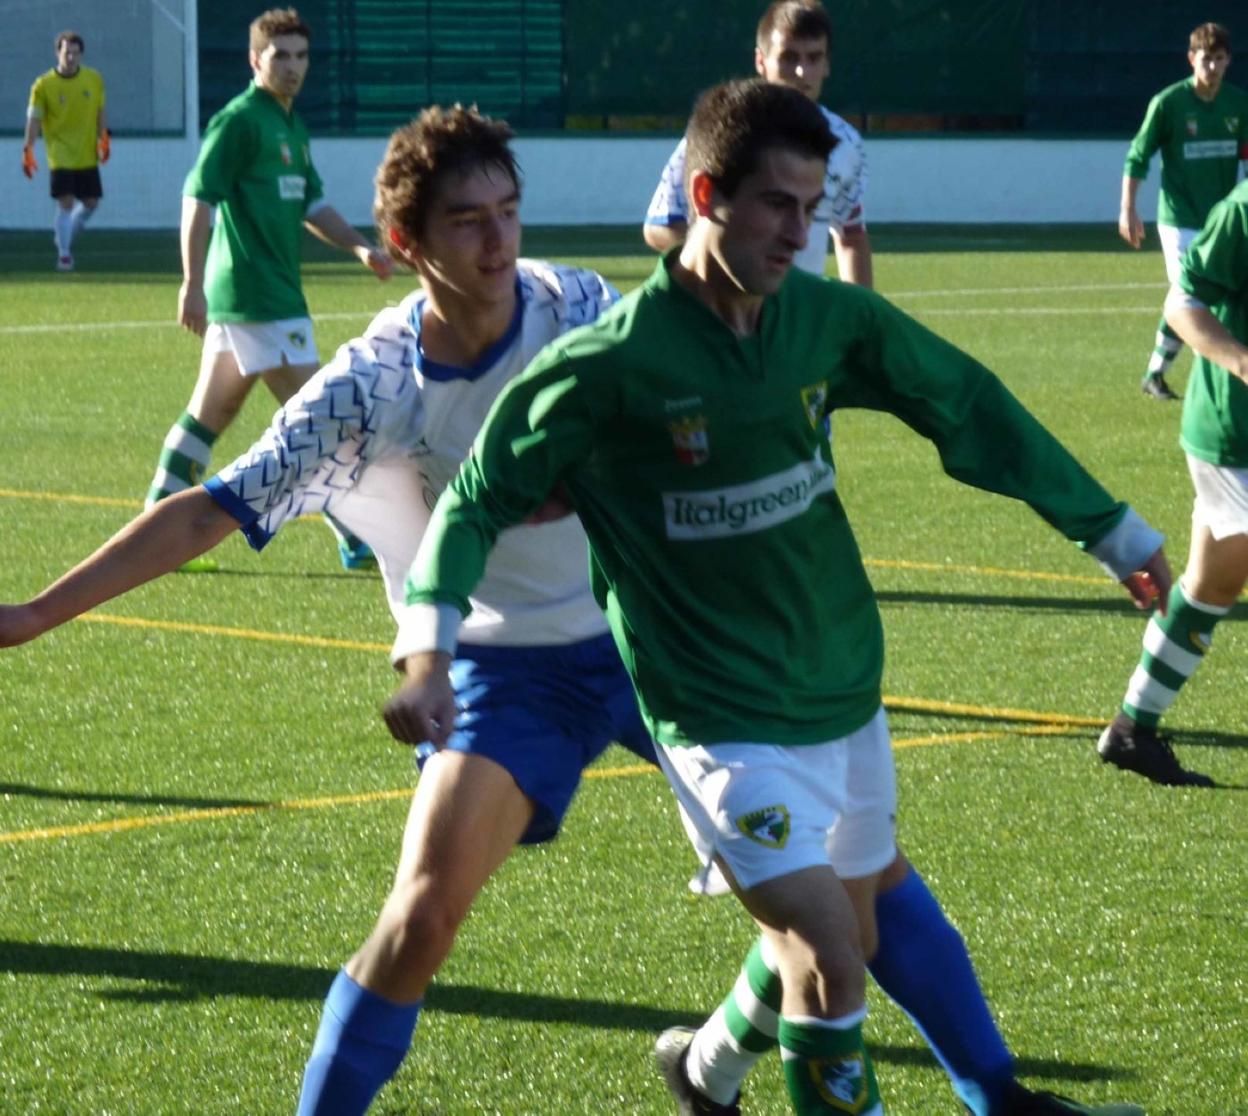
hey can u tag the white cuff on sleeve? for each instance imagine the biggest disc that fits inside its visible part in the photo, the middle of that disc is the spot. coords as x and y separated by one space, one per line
1178 299
426 627
1127 547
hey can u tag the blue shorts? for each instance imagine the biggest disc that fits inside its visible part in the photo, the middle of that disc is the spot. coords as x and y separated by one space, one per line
545 714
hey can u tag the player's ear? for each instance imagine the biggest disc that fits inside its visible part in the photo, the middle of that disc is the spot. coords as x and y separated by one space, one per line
402 245
701 189
760 63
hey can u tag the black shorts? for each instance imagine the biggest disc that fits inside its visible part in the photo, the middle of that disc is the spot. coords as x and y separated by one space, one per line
77 183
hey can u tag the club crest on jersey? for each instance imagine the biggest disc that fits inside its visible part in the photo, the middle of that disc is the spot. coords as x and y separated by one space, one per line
841 1082
1192 126
815 400
1232 124
284 147
298 338
768 826
690 437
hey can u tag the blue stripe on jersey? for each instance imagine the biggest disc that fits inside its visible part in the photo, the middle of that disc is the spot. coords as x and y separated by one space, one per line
444 373
231 502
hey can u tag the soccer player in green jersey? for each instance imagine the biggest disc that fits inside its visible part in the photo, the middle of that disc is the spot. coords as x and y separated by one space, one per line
241 289
686 429
1208 308
67 106
1200 126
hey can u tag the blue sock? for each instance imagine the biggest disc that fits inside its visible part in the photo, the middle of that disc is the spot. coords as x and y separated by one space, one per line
361 1042
923 965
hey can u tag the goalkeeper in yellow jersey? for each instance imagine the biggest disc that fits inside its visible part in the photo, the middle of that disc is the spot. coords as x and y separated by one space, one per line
67 106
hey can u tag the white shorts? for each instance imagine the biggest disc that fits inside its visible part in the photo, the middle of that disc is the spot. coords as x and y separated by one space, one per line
1221 498
262 346
770 809
1174 243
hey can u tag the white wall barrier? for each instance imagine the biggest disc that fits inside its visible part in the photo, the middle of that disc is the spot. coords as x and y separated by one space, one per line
608 181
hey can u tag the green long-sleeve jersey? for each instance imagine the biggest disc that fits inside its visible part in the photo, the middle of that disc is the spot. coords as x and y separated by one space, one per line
699 463
1201 144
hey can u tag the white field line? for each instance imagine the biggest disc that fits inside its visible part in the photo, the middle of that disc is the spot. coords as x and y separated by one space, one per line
155 323
167 323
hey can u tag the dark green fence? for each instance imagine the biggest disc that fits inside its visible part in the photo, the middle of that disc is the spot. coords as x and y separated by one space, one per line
1039 66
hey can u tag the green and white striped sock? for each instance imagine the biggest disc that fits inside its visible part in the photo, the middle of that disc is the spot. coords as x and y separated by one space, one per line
743 1029
1166 347
827 1067
1174 646
183 459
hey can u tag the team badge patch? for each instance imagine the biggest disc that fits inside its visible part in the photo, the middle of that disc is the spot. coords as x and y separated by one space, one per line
689 436
815 400
768 826
297 338
841 1082
285 149
1232 124
1192 126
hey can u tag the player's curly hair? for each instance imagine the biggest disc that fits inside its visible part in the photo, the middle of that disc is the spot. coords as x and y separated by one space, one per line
440 141
276 21
1210 37
798 19
733 123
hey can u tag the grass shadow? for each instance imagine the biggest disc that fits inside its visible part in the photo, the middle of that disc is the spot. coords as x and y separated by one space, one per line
26 790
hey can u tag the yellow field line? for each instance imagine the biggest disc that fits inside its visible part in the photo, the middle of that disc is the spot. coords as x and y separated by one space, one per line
185 817
67 498
981 571
994 713
233 633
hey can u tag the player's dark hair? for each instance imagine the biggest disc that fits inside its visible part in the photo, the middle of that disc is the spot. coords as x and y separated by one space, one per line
70 37
1210 37
733 123
438 143
796 19
276 21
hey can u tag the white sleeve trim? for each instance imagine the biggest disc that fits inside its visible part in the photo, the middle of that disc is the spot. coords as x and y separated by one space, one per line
34 112
426 627
1127 547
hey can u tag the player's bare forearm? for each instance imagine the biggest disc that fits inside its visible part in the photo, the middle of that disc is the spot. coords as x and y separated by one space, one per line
853 257
1130 227
663 237
195 231
422 710
1207 336
331 227
157 542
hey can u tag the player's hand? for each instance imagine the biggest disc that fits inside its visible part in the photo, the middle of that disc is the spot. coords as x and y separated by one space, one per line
103 147
376 261
192 308
18 624
423 709
29 166
1150 585
1131 228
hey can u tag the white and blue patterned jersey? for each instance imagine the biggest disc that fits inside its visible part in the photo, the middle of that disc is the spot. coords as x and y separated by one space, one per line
841 208
377 434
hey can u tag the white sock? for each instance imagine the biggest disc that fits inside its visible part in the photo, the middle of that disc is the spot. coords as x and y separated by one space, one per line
63 227
81 215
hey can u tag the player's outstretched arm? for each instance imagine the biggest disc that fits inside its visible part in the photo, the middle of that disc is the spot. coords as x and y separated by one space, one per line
423 707
157 542
327 224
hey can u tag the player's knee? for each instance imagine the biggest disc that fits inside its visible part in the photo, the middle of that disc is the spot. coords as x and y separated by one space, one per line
422 920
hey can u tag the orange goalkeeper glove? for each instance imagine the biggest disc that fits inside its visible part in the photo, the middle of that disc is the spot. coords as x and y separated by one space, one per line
102 147
29 166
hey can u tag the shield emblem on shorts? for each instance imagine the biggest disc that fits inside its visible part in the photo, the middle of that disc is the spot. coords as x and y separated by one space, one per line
768 826
841 1082
297 338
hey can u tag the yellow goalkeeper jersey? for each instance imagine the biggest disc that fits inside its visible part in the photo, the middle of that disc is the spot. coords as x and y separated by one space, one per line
68 110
